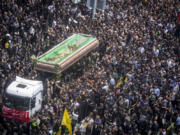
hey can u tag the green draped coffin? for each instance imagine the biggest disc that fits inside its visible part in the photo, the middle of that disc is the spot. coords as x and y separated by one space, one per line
66 53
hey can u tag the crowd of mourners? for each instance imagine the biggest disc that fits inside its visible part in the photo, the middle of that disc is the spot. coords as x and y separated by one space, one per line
128 86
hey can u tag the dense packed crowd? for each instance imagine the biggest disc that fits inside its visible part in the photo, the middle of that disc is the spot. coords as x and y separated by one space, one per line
129 86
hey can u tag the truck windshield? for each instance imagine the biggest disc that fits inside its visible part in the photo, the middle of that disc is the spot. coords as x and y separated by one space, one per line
16 102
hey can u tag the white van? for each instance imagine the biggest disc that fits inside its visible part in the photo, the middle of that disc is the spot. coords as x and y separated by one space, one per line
22 99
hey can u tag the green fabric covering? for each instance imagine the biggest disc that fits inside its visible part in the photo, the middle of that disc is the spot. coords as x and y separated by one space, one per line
115 75
65 49
34 124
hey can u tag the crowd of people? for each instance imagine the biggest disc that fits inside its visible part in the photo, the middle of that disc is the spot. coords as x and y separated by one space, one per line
128 86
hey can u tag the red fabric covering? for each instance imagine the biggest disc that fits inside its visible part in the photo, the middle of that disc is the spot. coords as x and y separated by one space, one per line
179 17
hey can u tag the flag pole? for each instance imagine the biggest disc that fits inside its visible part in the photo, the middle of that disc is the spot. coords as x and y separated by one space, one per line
94 9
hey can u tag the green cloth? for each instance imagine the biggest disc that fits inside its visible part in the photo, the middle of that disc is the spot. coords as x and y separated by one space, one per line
121 78
115 75
171 126
107 49
156 34
34 124
65 49
10 44
66 132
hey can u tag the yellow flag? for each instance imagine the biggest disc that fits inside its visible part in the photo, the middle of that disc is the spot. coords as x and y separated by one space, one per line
146 0
85 125
59 132
119 83
126 79
7 45
66 121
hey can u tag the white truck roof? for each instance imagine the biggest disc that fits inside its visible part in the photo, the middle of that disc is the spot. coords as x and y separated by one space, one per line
24 87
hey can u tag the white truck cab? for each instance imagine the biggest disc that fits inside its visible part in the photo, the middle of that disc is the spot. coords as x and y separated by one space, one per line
22 99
